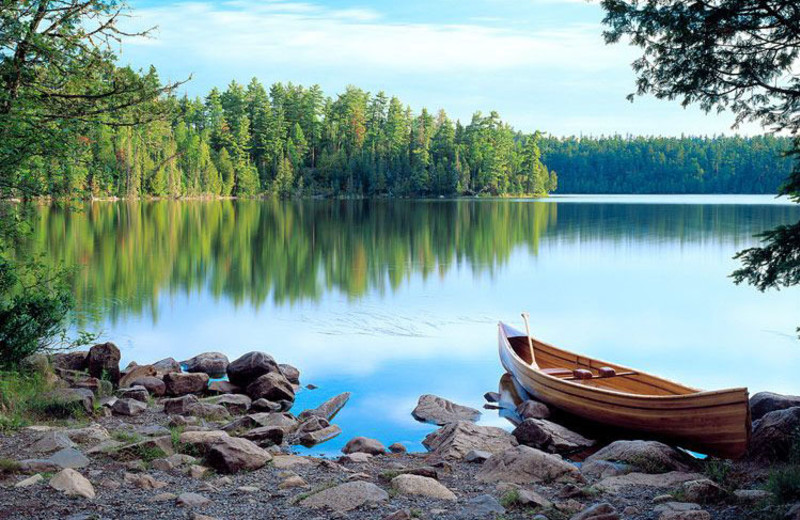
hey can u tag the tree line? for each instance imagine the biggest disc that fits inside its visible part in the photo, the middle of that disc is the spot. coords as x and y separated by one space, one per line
293 141
617 164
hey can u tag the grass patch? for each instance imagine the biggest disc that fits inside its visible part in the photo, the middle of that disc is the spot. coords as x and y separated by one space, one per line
647 465
725 474
126 436
389 474
27 399
510 499
784 484
8 466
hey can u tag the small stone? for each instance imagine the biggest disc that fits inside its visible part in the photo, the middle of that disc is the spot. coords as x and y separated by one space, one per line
248 489
72 483
531 409
180 405
110 484
136 392
289 461
477 456
702 491
142 481
484 506
162 465
231 454
603 511
751 495
397 448
293 482
292 374
264 405
128 407
355 458
152 384
52 441
492 397
69 458
222 482
197 471
528 497
162 497
347 496
192 500
30 481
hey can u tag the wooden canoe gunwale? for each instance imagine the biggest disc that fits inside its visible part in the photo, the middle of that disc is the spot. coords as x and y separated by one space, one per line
714 422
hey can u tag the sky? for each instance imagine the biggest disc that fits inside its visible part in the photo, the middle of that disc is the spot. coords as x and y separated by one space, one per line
541 64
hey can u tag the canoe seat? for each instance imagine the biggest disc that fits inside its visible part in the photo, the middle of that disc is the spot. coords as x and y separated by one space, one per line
606 372
556 372
581 373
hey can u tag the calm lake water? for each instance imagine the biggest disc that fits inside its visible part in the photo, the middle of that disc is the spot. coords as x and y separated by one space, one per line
393 299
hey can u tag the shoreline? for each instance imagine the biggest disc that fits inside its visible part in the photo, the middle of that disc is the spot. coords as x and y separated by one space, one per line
163 437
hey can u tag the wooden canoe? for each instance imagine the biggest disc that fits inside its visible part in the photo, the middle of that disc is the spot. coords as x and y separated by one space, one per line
709 422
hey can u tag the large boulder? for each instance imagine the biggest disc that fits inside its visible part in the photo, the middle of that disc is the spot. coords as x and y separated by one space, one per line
455 440
249 367
235 403
215 364
328 409
532 409
272 386
347 496
265 435
550 437
182 384
364 445
437 410
233 454
775 434
76 360
290 372
103 362
643 456
526 465
764 402
137 372
285 421
666 481
72 483
223 387
179 405
153 385
167 366
408 484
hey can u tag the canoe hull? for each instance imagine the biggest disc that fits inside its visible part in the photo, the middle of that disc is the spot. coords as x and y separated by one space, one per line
714 423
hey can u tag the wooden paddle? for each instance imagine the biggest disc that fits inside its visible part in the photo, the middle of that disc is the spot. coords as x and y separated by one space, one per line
525 317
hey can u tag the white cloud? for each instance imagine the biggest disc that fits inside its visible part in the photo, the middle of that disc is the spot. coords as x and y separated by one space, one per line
302 33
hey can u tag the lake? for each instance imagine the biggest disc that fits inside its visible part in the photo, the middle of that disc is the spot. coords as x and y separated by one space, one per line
394 299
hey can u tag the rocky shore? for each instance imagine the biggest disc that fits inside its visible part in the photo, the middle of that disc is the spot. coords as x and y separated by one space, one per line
209 438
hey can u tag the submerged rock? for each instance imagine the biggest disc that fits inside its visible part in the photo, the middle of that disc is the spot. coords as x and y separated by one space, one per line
437 410
328 409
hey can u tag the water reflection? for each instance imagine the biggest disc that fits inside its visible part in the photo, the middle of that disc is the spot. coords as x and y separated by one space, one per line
252 252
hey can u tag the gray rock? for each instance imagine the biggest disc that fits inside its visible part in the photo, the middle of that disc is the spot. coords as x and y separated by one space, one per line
192 500
492 397
153 385
550 437
152 430
764 402
309 439
364 445
531 498
644 456
437 410
211 412
531 409
483 506
347 496
30 481
167 366
77 360
38 466
264 405
290 373
666 481
455 440
92 434
179 405
265 435
232 454
69 458
103 362
250 367
286 421
397 448
137 392
602 511
703 491
477 456
752 496
774 435
52 441
68 399
525 465
215 364
224 387
182 384
128 407
272 386
328 409
600 469
234 403
424 486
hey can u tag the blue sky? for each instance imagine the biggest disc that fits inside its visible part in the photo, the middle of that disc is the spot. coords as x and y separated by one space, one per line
541 64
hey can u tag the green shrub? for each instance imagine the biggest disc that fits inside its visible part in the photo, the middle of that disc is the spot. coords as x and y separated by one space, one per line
27 398
510 498
784 484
